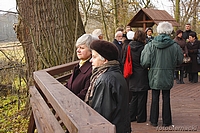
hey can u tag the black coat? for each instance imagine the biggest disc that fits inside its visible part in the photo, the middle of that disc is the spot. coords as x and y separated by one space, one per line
119 47
138 81
192 51
110 99
186 34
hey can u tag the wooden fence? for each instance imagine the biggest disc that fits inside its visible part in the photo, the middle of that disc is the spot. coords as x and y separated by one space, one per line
55 109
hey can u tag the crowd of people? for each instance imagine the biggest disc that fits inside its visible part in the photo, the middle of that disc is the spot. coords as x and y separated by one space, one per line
156 61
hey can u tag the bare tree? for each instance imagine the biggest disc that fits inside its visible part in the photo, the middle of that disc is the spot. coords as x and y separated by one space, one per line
48 31
187 12
86 6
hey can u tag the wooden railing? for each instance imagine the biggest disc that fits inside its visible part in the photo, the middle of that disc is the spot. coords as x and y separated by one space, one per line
55 109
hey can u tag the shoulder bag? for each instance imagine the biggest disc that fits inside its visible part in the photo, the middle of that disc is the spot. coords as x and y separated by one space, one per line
128 63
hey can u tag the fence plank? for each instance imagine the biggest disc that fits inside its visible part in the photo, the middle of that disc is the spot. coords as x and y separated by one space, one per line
74 113
44 118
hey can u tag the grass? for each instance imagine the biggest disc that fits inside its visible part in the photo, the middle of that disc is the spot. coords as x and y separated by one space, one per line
13 91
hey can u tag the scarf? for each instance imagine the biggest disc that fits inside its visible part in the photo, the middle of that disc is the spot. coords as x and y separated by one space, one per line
96 73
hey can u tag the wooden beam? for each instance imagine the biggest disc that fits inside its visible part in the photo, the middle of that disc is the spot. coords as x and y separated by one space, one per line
31 125
61 68
44 118
76 115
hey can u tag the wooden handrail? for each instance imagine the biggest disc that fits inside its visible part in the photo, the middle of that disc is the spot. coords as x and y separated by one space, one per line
73 113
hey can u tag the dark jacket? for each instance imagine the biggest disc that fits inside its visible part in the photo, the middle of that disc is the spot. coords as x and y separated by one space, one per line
181 42
118 44
192 51
119 47
138 81
110 99
79 81
161 56
186 34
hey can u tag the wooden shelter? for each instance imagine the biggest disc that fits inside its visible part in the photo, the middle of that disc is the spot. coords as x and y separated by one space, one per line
148 17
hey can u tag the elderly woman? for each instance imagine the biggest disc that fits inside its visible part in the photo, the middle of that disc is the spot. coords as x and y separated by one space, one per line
158 55
181 42
108 91
193 45
79 81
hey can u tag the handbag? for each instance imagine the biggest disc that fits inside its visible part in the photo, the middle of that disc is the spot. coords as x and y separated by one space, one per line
198 56
128 63
187 59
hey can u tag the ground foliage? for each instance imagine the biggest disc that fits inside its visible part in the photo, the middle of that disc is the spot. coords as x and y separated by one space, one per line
13 119
14 114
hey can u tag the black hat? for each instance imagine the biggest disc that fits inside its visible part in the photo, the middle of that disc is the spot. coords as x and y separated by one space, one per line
148 28
106 49
178 32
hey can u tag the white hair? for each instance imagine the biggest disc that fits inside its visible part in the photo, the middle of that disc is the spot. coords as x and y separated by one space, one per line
101 57
165 28
97 32
86 39
117 33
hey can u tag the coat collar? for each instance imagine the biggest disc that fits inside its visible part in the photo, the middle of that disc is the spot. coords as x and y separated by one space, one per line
85 67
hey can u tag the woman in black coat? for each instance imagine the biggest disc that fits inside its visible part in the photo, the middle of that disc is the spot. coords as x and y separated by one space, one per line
182 43
193 45
138 81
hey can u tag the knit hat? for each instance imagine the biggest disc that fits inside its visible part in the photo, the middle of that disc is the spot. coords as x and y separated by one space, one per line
97 32
148 29
178 32
106 49
130 35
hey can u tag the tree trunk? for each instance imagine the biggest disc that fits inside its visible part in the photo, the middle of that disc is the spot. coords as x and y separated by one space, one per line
177 12
48 30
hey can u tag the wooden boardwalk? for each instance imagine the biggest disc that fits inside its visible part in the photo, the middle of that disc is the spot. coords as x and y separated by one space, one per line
185 105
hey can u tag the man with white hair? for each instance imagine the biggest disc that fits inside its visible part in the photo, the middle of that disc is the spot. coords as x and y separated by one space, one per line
118 42
161 56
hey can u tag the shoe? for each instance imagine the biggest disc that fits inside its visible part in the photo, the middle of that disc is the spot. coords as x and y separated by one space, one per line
166 125
154 124
182 82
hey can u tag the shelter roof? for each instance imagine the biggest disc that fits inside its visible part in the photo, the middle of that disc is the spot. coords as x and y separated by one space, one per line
148 17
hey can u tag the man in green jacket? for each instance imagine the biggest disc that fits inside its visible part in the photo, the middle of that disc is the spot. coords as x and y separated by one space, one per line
161 56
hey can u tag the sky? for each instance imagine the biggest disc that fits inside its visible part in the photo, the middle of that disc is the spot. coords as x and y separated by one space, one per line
163 5
10 5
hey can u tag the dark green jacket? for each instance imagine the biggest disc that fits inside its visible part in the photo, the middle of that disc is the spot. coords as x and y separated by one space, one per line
161 56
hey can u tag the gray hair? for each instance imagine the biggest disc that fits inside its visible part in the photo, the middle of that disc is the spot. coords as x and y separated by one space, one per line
117 33
165 28
86 39
101 57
